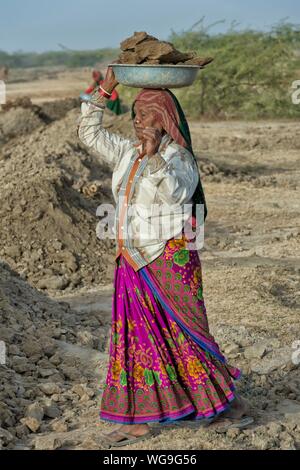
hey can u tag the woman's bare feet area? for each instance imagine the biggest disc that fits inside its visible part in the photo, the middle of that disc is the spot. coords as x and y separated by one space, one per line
135 430
239 407
236 416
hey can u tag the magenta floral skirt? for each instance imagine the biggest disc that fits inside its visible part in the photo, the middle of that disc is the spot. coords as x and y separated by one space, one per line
164 363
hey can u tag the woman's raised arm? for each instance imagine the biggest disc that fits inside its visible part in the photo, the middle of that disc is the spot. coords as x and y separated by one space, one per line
91 131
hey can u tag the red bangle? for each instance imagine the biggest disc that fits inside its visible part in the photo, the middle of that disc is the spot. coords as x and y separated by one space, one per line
104 93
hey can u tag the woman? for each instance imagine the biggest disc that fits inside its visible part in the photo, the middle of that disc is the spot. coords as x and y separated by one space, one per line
164 363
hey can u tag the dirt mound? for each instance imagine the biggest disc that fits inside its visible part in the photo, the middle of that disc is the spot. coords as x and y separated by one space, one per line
18 121
21 117
49 219
141 48
59 108
20 102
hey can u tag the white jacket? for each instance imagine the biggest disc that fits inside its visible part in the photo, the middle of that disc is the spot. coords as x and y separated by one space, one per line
152 194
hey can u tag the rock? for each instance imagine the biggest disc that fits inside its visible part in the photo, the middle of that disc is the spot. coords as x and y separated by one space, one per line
49 346
71 373
296 352
76 279
86 338
6 416
90 444
51 410
79 389
290 409
231 348
58 332
291 426
258 350
70 261
13 349
53 283
55 359
82 389
47 372
233 433
20 364
279 358
59 426
55 397
275 429
84 398
47 443
35 411
44 363
262 442
32 423
21 431
49 388
6 437
287 442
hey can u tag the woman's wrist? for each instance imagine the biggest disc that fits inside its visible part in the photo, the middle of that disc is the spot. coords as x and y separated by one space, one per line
108 87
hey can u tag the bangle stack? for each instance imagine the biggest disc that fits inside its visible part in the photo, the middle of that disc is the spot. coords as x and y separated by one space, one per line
103 92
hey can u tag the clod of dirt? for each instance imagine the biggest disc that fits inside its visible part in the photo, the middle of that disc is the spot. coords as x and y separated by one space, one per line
141 48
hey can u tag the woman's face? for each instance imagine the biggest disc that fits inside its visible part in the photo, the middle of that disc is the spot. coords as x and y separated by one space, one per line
144 118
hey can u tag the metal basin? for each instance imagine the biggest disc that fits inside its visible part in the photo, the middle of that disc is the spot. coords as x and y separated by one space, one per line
155 76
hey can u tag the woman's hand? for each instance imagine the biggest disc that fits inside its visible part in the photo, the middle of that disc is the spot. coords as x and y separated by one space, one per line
151 140
110 82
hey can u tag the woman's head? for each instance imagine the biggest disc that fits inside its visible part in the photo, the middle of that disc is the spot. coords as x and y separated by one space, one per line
145 117
156 108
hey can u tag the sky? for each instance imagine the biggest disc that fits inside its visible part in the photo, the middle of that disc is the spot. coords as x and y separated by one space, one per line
42 25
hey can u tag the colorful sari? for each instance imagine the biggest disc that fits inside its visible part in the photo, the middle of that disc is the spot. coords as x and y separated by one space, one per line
164 363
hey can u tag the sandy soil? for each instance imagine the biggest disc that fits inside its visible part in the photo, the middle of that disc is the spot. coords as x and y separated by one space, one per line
250 264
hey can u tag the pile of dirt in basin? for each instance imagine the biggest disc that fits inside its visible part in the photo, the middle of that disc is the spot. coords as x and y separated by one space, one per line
141 48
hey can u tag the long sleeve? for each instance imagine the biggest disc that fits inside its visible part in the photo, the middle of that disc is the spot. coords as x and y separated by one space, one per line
176 180
92 133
